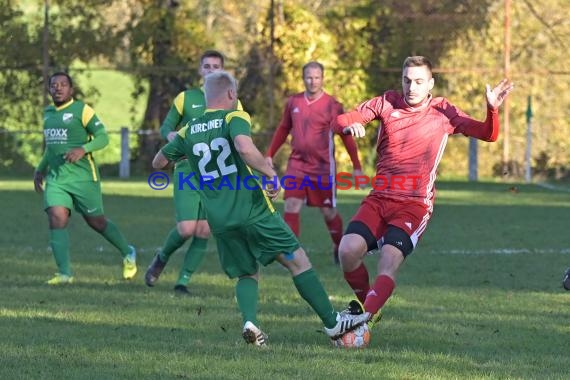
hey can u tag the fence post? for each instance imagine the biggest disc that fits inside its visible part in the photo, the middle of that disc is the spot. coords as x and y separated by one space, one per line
473 159
528 159
125 164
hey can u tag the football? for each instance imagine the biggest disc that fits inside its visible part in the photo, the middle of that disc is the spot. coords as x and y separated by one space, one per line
357 338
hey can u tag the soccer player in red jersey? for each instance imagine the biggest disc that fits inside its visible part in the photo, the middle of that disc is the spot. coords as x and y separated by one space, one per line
414 130
311 169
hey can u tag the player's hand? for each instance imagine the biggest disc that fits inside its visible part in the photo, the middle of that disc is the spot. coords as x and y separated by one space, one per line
498 94
171 135
74 155
273 188
357 175
354 129
38 182
269 162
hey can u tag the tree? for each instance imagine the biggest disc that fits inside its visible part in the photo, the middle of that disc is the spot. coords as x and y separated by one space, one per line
76 33
538 66
164 40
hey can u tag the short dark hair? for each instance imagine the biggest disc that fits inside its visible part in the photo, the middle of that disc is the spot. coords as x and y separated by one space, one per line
417 61
212 54
314 65
61 74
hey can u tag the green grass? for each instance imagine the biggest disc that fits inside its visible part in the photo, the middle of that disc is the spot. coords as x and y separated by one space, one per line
479 299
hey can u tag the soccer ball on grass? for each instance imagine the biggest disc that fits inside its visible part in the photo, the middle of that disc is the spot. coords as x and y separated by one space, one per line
357 338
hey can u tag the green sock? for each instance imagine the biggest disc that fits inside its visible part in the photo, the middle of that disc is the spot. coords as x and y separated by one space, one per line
247 294
59 242
172 243
115 237
194 256
312 291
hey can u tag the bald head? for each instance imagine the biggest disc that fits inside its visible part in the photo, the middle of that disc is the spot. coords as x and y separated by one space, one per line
220 88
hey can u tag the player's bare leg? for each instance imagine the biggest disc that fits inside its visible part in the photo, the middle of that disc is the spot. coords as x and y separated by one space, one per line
113 235
292 209
352 250
333 221
312 291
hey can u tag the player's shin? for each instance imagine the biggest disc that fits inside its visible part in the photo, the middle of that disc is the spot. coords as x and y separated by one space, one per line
59 243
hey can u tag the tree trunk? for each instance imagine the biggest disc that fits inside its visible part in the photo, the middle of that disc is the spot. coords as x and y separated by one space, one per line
158 100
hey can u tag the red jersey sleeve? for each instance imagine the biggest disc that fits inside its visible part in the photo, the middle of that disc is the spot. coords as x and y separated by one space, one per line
487 130
364 113
282 131
352 150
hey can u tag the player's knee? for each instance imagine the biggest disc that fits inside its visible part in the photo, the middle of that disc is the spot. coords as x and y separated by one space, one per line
398 238
186 229
202 230
367 241
296 262
293 205
329 213
348 247
57 217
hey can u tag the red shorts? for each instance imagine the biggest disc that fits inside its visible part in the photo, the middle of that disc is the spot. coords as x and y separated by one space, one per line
316 193
377 213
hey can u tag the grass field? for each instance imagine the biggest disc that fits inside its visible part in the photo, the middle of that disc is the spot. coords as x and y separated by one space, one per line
480 298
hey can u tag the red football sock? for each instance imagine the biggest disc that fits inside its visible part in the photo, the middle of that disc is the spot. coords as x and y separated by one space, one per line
379 294
359 282
293 221
335 229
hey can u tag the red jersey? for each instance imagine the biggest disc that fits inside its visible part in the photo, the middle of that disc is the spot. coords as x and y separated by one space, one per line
411 141
310 123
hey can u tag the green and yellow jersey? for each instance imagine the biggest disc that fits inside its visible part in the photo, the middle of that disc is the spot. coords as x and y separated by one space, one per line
71 125
230 196
187 107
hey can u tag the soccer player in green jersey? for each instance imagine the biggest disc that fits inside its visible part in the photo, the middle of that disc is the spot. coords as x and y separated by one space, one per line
247 228
72 132
190 218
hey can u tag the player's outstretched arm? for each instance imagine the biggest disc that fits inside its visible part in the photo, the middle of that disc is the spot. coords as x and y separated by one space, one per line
252 156
38 182
350 123
254 159
39 174
159 161
356 129
499 93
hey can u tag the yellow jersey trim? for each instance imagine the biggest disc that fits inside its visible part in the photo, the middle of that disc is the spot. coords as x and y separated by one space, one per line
239 113
179 103
267 200
87 115
182 132
64 105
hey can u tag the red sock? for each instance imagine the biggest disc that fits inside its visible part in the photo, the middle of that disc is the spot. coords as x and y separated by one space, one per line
292 220
335 229
358 281
379 294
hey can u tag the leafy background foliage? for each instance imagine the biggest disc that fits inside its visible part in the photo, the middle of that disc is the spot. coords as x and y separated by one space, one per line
154 47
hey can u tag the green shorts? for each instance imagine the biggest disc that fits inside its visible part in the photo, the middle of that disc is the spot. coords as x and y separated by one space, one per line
84 197
241 249
187 203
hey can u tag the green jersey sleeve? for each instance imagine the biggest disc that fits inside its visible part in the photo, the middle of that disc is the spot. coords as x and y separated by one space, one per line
239 123
95 128
99 141
43 163
173 117
174 150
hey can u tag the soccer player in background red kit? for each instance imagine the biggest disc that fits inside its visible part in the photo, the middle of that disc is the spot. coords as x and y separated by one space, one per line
414 130
309 117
